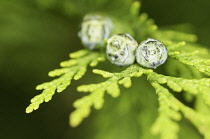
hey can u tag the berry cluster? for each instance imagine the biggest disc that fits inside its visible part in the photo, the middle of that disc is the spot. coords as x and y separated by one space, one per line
121 49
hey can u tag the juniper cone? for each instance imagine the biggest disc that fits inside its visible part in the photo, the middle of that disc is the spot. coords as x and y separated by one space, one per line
120 49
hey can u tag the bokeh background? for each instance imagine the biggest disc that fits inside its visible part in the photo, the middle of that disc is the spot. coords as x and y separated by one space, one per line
35 36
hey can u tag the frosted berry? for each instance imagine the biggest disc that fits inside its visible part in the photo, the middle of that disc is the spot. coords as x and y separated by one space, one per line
121 49
151 53
94 29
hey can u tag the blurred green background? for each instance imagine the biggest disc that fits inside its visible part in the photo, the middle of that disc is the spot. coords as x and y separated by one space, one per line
35 38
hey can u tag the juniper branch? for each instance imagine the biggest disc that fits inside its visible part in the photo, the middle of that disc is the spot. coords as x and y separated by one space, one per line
74 68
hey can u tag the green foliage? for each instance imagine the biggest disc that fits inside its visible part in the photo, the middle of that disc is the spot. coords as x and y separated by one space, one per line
170 107
184 56
74 68
97 91
201 65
